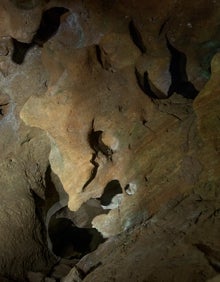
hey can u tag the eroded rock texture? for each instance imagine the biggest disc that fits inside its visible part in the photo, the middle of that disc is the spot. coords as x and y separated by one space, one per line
120 99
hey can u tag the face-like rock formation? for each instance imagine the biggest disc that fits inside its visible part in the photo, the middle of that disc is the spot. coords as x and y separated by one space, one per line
109 112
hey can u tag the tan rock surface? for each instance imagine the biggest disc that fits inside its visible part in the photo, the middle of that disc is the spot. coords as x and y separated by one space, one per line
85 99
142 134
165 248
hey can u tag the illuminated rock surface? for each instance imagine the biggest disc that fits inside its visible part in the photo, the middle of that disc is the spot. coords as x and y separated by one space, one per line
109 116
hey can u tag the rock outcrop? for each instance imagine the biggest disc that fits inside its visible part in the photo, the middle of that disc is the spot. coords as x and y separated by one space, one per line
120 100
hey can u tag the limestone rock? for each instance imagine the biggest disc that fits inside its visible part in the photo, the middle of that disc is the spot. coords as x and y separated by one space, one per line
19 23
123 92
117 51
60 271
73 276
84 97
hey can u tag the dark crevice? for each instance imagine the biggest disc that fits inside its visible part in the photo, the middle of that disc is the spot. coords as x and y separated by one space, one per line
98 54
54 194
66 240
136 37
96 143
93 172
212 256
93 268
49 25
53 190
40 235
179 80
70 241
3 109
144 84
83 274
163 26
112 189
20 50
50 191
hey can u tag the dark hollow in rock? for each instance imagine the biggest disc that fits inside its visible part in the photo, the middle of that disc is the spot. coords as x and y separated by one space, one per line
20 50
144 84
136 36
93 171
70 241
96 143
4 105
180 83
112 189
99 54
49 25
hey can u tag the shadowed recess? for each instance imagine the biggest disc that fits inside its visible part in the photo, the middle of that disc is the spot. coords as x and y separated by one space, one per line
136 36
144 84
179 79
97 145
98 54
49 25
4 105
111 190
70 241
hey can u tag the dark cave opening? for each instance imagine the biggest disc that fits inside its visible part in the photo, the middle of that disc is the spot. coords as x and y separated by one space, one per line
69 234
179 79
112 189
70 241
48 27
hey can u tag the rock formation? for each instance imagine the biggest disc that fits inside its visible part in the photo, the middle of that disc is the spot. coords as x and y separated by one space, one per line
109 117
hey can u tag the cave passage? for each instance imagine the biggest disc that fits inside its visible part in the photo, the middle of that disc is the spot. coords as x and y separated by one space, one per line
70 241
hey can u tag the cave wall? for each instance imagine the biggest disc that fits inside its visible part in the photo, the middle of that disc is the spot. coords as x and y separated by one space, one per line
95 86
118 91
